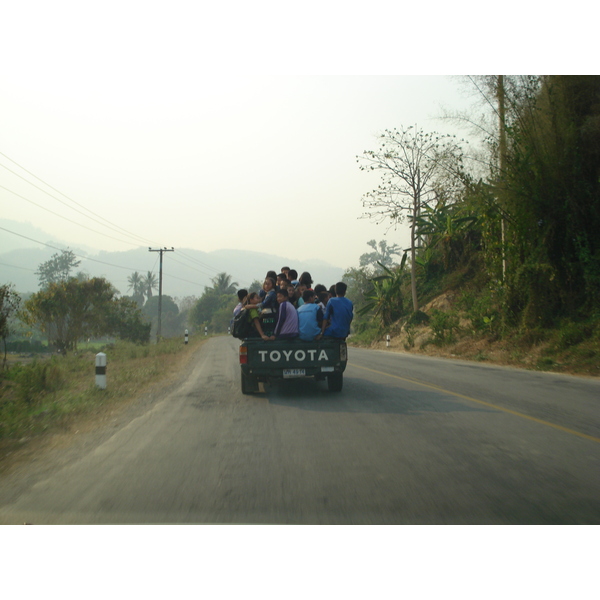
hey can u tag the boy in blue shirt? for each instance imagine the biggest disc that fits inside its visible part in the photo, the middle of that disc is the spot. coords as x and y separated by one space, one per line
338 314
310 318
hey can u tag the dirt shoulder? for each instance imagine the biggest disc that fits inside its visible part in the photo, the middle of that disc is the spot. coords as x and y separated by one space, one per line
78 431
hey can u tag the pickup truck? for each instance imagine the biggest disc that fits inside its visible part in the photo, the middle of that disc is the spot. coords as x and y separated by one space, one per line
291 359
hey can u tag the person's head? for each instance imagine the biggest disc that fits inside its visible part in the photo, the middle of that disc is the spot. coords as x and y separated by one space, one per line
253 298
308 296
306 279
241 294
281 278
291 290
300 289
323 297
282 296
340 288
319 288
285 270
331 291
292 275
269 284
271 274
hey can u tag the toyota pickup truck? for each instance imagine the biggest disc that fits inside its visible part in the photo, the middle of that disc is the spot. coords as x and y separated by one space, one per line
291 359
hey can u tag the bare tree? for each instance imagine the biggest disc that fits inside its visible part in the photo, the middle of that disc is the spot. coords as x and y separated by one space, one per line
411 162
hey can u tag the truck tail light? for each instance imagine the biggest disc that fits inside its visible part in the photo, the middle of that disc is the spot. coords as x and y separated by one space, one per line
243 355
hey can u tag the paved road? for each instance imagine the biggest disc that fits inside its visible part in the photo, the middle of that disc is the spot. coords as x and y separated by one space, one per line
410 440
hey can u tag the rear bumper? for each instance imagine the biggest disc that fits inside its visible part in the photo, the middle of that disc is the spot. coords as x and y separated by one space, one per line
320 372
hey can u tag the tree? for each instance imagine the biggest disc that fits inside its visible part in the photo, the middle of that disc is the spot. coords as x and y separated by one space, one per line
9 304
386 299
446 228
137 286
168 305
256 286
58 268
222 285
149 283
68 311
382 255
411 163
127 322
171 323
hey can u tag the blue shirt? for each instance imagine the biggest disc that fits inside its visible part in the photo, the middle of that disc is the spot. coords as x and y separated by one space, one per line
339 314
309 321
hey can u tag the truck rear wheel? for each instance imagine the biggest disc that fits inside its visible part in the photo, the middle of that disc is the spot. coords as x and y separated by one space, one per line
335 381
249 384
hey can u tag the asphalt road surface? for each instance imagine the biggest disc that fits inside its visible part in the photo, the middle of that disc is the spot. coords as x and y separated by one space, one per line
409 440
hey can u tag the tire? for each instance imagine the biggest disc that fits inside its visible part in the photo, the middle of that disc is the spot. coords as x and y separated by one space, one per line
335 382
249 384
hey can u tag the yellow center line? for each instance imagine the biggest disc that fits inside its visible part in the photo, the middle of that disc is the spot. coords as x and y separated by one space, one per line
489 404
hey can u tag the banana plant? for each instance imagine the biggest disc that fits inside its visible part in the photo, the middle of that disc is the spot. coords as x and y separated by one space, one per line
386 301
444 228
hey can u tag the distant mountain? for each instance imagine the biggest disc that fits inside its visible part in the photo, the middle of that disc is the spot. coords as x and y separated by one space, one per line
23 234
186 272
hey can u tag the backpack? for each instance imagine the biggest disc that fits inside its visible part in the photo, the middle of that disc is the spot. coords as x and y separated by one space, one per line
241 327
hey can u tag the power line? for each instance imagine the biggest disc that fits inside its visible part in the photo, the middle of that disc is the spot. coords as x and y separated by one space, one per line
15 267
74 254
113 225
68 197
67 219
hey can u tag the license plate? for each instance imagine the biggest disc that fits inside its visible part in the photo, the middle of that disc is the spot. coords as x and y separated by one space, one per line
290 373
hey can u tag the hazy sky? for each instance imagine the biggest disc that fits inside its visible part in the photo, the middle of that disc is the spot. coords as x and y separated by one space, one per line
201 127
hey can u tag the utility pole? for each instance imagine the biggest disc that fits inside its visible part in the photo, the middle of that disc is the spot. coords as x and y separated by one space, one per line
161 250
502 126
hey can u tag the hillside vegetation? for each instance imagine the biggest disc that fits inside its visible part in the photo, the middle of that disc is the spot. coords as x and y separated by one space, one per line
504 262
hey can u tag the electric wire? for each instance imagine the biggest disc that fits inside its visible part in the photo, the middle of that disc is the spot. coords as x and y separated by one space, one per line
16 267
166 275
67 219
74 253
113 225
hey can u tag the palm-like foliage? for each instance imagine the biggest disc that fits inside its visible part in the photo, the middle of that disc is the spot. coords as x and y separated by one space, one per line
149 283
136 283
222 285
386 301
445 228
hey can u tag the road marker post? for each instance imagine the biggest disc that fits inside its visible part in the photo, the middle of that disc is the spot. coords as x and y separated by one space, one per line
185 337
387 340
101 370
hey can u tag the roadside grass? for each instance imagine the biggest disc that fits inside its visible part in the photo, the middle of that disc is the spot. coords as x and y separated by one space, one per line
48 394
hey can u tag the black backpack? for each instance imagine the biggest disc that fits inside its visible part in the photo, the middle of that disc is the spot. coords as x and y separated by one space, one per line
241 327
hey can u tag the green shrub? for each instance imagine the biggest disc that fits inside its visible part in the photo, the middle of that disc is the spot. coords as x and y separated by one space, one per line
443 325
409 328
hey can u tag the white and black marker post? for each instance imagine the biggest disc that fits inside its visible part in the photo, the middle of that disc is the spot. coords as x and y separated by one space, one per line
205 330
387 340
101 370
186 336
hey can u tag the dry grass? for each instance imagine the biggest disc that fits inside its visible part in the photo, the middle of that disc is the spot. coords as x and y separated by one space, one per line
77 405
550 350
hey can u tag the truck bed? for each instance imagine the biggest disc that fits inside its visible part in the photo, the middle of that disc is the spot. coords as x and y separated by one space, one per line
289 359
